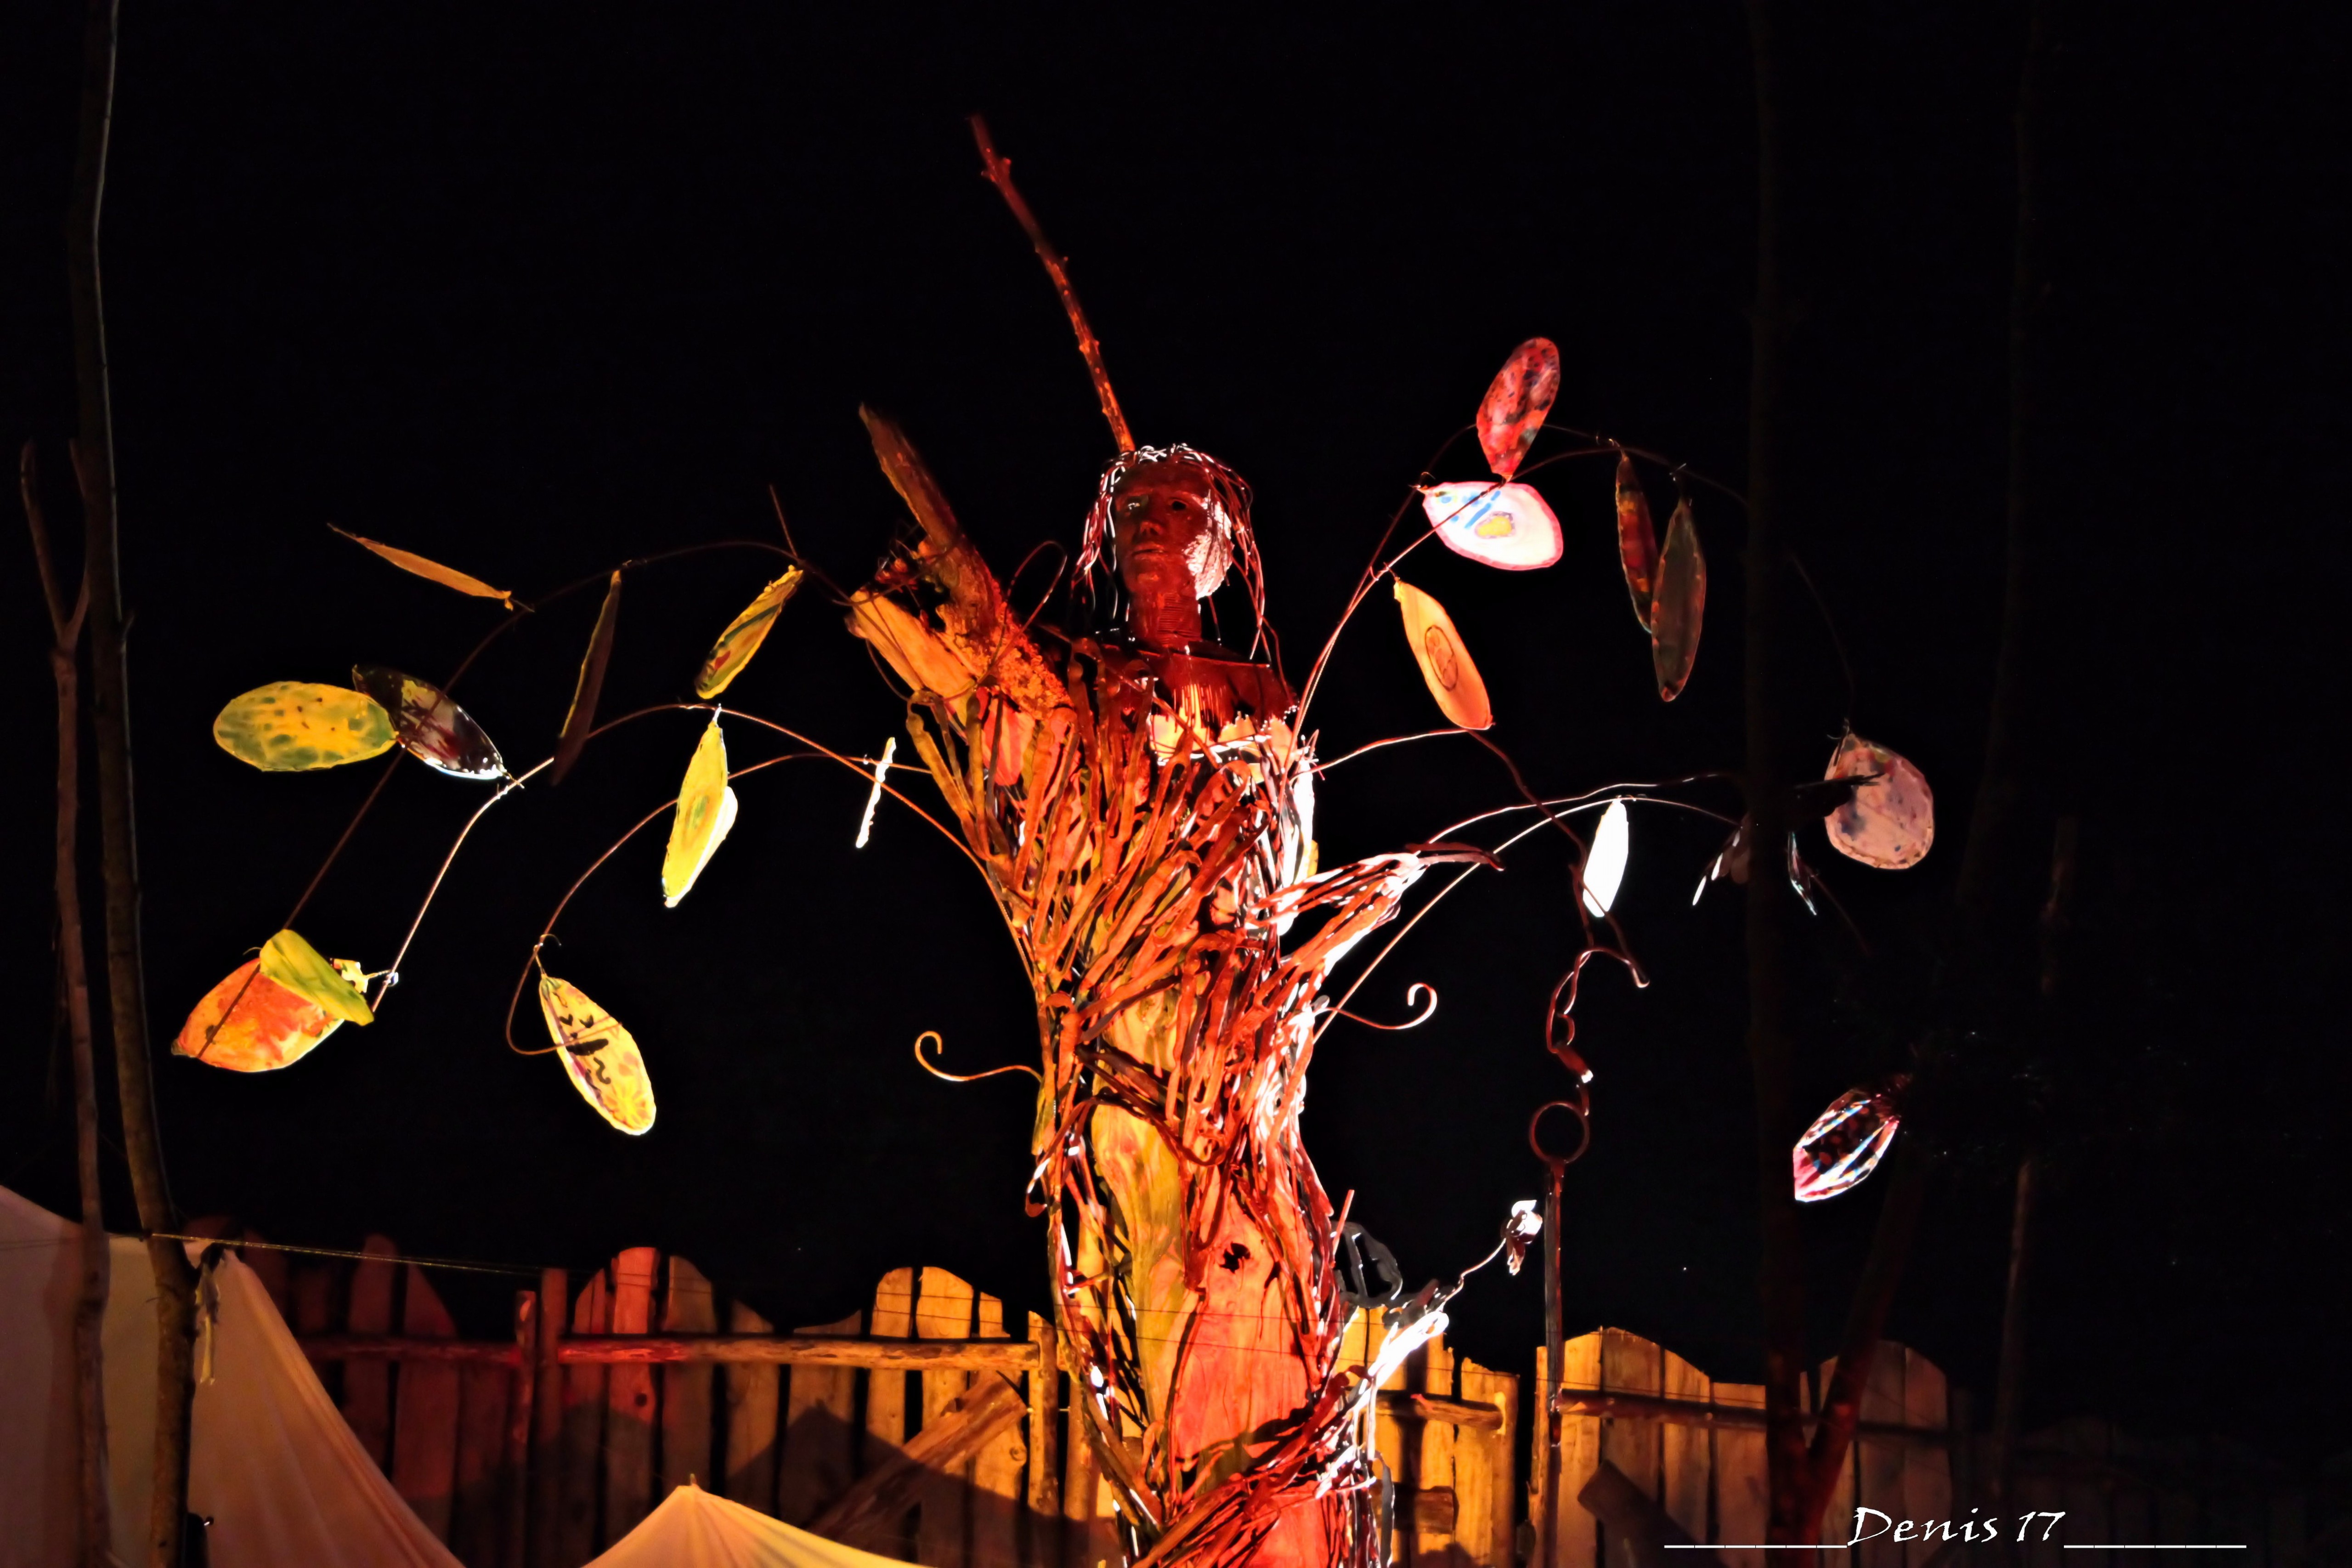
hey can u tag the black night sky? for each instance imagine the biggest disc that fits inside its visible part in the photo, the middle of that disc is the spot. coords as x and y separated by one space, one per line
535 289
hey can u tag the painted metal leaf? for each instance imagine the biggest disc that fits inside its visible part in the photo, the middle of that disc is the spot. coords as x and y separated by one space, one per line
295 726
706 810
249 1023
1890 821
1604 864
743 636
294 963
429 725
1445 663
1516 403
1500 525
1680 606
432 571
581 716
599 1056
1845 1144
1637 541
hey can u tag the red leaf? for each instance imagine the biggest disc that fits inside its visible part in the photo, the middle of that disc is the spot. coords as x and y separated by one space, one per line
1516 406
1637 541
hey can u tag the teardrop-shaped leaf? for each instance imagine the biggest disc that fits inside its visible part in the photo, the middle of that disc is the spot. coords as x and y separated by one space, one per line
1516 404
429 725
1680 606
1445 663
249 1023
294 963
295 726
581 716
1604 864
599 1056
1637 541
1889 822
1506 526
432 571
1845 1144
743 636
706 810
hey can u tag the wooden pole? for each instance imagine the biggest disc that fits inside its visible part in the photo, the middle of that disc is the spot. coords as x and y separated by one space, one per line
110 713
516 1500
73 968
1770 1048
547 1422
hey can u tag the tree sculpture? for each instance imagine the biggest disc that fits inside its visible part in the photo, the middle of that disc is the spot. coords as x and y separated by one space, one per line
1140 802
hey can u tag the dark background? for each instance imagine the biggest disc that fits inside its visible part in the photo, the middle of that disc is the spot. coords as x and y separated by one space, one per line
535 289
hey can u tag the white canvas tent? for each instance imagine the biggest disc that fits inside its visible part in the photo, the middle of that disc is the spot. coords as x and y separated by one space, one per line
271 1462
692 1529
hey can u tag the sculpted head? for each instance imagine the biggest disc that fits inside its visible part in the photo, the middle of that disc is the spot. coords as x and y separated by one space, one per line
1174 523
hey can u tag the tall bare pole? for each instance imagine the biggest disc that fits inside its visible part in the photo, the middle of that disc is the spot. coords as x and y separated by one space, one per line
110 696
1770 1049
73 976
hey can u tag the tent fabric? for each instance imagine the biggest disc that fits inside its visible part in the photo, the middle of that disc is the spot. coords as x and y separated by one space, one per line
271 1462
692 1529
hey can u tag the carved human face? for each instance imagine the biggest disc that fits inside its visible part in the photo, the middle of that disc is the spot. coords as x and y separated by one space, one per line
1164 535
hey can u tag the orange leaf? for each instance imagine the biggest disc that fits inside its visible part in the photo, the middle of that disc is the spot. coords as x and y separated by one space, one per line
1445 663
1680 606
249 1023
1637 541
432 571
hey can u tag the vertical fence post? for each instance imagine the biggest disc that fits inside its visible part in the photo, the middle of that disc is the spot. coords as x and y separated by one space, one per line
546 1420
1044 1447
517 1498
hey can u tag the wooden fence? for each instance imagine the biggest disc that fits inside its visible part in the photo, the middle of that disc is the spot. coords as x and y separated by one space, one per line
918 1427
1694 1448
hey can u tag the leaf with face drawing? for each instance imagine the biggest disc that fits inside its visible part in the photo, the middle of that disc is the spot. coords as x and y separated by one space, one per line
1445 663
599 1056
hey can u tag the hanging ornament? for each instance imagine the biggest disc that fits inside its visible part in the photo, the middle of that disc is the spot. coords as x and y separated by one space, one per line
1637 541
432 571
249 1023
743 636
1516 403
1445 663
1680 605
1846 1141
294 963
1604 866
295 726
429 725
599 1056
706 810
1499 525
1888 822
580 718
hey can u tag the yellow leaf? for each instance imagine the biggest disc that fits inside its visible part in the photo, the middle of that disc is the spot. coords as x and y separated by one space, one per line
294 726
599 1056
1445 663
706 810
432 571
743 636
294 963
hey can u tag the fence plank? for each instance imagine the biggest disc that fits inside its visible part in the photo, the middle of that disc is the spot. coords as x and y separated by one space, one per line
820 1431
1084 1540
688 1307
1632 1364
514 1477
477 1527
893 1317
753 1396
1429 1452
424 1426
577 1466
1927 1472
629 1399
1686 1455
1580 1456
1482 1471
996 1474
943 1310
1743 1504
367 1389
547 1421
1837 1517
1044 1447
